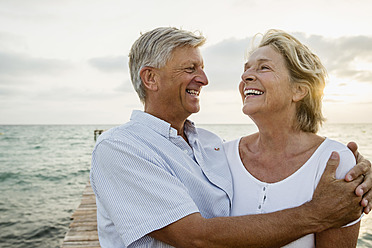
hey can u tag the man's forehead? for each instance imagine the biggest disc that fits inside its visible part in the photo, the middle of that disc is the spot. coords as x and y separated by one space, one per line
187 55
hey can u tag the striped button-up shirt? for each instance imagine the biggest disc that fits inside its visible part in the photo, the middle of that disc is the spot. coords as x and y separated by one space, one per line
146 177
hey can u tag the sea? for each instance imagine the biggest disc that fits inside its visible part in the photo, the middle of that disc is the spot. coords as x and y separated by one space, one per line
44 170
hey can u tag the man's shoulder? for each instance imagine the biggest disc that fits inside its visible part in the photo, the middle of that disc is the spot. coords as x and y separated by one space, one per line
115 132
123 133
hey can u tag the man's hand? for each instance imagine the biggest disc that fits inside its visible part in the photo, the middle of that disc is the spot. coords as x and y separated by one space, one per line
363 167
334 202
334 205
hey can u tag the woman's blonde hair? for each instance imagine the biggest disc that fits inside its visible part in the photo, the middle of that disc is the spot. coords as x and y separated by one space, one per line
305 68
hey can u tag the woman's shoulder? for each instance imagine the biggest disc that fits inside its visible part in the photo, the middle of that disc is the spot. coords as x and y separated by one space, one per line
329 145
249 139
335 145
235 143
347 159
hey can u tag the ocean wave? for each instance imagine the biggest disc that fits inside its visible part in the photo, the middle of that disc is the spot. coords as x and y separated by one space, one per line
44 169
8 176
41 236
4 224
42 232
4 137
365 241
50 177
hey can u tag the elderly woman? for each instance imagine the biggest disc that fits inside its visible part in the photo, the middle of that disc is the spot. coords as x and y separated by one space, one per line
280 166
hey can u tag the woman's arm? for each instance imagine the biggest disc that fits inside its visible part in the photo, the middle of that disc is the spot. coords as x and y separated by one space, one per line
334 204
345 237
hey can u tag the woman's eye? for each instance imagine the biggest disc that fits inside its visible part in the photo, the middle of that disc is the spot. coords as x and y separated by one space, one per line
265 67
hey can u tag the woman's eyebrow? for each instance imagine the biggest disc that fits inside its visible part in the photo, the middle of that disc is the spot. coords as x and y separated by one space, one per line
247 64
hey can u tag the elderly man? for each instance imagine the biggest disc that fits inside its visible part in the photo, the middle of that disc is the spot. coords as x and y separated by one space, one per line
160 181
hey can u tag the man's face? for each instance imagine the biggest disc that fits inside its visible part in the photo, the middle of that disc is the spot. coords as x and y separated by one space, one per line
181 80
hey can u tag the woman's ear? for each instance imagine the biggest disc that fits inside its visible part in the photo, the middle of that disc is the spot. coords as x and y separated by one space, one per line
148 77
299 92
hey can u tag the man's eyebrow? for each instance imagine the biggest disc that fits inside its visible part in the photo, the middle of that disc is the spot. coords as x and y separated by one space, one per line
193 63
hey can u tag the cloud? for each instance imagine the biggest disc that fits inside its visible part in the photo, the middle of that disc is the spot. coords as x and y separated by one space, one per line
11 41
358 75
224 63
66 93
7 92
22 64
110 63
342 55
125 86
224 60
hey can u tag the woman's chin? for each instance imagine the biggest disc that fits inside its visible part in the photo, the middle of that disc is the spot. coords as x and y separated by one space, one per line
248 110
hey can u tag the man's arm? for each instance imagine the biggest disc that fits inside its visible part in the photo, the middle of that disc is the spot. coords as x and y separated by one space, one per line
334 204
363 167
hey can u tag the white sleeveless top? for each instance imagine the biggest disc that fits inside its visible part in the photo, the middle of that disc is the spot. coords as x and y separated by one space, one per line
252 196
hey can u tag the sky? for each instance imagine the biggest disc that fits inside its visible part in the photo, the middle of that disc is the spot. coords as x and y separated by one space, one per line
66 61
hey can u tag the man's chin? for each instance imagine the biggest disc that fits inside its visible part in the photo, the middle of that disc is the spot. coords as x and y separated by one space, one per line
194 109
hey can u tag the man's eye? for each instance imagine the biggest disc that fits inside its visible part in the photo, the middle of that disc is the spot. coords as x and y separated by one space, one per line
190 69
265 67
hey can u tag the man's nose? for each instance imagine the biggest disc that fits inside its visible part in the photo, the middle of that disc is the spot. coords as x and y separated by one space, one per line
202 77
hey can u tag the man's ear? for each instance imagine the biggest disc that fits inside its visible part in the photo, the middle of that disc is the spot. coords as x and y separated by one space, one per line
299 92
148 76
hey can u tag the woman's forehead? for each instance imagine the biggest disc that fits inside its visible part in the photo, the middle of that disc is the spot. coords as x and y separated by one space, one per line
264 54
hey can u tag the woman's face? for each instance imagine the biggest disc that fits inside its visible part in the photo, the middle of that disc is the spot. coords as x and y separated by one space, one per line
265 86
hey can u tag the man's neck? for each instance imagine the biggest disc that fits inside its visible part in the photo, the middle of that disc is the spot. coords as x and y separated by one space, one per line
175 121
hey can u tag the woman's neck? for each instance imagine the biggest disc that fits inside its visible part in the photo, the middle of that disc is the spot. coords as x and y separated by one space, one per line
277 150
277 134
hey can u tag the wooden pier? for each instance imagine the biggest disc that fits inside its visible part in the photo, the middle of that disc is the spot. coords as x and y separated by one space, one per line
97 133
83 229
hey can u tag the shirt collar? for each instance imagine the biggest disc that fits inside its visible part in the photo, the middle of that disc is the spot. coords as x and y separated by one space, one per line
162 127
190 131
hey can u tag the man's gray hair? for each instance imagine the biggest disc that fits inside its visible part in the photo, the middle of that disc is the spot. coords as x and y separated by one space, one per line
154 49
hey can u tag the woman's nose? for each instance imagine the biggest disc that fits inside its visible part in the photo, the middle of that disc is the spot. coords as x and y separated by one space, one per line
248 76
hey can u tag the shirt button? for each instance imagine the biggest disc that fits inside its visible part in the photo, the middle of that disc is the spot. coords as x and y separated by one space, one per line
259 207
264 188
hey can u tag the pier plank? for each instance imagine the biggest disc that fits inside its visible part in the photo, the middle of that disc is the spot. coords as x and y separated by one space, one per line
83 228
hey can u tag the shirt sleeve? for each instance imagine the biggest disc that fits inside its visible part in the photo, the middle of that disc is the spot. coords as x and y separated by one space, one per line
137 190
347 162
